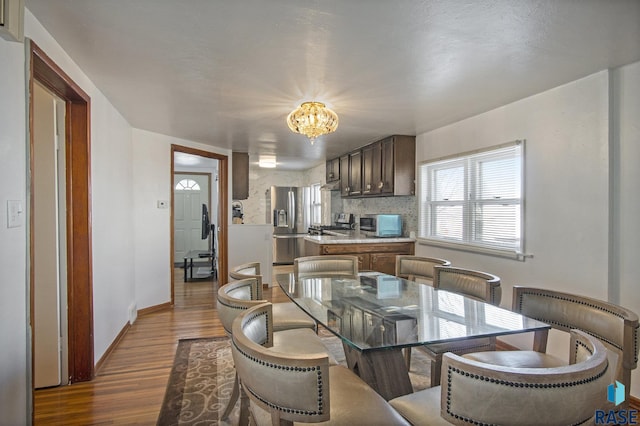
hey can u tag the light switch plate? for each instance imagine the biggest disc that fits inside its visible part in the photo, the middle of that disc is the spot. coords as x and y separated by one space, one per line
15 214
163 204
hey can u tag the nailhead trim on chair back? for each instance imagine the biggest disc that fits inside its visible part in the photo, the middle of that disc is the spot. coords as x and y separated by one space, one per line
273 378
564 395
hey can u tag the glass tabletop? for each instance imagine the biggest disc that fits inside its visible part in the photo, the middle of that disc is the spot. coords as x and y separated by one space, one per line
380 311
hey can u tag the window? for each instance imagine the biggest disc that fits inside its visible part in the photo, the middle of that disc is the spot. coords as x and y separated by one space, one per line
187 185
316 204
474 201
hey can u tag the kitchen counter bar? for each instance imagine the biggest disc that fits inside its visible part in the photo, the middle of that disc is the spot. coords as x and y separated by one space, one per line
355 239
374 254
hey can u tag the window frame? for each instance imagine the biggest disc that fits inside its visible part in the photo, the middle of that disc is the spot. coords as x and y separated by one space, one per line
469 240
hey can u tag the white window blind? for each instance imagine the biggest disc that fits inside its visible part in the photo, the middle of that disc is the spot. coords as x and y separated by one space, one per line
474 200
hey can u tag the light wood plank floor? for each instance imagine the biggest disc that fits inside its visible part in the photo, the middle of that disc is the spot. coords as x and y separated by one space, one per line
130 386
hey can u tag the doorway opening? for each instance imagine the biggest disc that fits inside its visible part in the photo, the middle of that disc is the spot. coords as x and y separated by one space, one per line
76 204
199 182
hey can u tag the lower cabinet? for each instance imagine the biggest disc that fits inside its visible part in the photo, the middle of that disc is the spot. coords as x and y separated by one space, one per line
380 257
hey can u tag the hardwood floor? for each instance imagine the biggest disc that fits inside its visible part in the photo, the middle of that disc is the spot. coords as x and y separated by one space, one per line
130 386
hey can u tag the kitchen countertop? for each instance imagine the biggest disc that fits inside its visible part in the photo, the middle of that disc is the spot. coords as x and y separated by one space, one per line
355 238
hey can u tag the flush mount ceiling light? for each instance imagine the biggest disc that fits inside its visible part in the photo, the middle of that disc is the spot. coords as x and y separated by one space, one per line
267 161
312 119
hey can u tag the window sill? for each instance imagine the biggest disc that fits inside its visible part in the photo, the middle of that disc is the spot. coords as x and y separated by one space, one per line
508 254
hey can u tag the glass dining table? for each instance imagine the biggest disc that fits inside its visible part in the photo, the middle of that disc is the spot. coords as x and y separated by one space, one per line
377 315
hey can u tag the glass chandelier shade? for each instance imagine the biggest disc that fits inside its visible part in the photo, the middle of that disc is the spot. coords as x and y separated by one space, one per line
312 119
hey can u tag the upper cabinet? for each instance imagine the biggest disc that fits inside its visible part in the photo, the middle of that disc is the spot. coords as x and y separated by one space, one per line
333 170
240 173
384 168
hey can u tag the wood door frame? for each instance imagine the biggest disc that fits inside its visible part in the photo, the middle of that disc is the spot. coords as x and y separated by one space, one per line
223 205
78 204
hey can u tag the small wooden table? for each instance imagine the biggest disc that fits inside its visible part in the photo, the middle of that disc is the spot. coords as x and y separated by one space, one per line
378 315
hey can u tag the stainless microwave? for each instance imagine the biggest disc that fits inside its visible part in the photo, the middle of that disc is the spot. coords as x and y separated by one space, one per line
382 225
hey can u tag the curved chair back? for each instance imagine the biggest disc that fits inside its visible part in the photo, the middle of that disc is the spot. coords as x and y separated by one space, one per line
292 387
417 268
478 393
323 266
476 284
615 326
247 270
235 298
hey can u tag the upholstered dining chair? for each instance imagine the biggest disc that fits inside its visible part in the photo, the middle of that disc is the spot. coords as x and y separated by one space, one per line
323 266
293 386
616 327
288 313
476 284
417 268
236 297
478 393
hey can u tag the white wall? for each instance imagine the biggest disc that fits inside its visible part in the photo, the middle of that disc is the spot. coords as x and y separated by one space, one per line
111 199
566 204
152 181
626 209
16 382
568 177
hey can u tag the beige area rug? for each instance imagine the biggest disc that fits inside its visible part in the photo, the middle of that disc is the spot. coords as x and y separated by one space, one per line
202 376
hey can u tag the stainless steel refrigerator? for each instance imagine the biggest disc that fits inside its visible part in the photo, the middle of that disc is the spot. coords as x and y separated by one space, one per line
285 210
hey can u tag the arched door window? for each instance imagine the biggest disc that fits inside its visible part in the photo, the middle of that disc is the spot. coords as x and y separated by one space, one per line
187 185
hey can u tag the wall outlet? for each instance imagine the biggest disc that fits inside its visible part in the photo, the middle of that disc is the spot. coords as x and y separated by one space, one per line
133 313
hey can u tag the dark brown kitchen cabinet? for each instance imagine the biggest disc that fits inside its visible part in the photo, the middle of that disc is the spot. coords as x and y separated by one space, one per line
355 173
398 165
333 170
379 257
240 174
384 168
344 176
351 174
371 169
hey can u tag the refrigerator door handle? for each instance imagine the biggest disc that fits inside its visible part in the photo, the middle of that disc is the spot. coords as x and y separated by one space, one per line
292 208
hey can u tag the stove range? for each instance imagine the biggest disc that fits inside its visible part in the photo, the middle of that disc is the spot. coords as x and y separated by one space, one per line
319 229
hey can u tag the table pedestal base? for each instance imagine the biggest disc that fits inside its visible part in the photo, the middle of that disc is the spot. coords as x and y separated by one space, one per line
384 370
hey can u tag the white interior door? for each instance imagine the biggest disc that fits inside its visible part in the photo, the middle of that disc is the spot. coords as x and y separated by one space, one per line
190 192
49 244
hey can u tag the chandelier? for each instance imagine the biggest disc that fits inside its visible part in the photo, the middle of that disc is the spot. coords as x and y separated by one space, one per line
312 119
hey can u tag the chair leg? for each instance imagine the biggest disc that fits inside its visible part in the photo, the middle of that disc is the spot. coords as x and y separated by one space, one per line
235 392
407 357
436 368
244 408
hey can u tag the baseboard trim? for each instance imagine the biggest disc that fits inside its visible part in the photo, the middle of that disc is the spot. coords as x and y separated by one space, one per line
634 403
111 348
156 308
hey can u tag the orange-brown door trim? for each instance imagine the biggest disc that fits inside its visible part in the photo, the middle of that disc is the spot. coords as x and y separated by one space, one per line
223 179
78 180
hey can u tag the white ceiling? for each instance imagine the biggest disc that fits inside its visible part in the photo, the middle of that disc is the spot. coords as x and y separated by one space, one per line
227 73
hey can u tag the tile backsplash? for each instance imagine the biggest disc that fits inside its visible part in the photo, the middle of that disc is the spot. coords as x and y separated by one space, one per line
405 206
